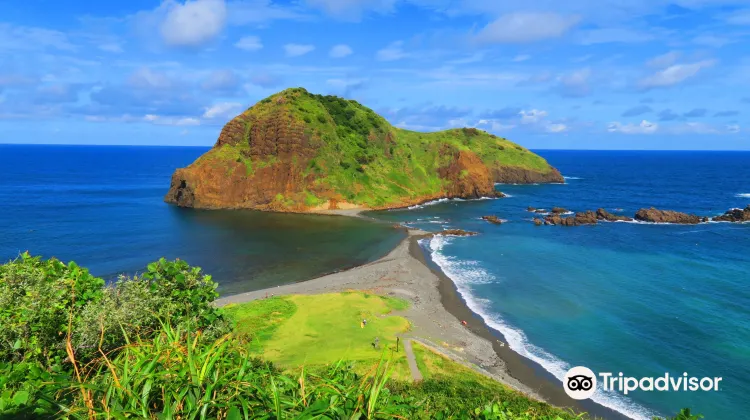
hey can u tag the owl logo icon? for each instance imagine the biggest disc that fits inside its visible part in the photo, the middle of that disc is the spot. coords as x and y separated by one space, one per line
580 383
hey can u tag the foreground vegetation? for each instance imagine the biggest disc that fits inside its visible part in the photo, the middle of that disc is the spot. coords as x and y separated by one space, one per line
154 346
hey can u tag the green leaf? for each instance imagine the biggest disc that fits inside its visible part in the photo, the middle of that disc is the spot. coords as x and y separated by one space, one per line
21 398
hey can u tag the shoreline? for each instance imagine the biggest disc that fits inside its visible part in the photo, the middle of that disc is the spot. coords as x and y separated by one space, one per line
435 313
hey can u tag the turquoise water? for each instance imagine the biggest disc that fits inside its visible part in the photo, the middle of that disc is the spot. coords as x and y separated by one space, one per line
103 208
616 297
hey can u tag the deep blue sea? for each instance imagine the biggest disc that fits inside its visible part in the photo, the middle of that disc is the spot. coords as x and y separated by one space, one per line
617 297
102 207
620 297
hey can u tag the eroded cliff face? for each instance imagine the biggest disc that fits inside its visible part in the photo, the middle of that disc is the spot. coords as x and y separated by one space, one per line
465 175
299 152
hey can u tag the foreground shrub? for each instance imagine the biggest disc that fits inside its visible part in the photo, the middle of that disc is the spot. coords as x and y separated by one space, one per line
38 299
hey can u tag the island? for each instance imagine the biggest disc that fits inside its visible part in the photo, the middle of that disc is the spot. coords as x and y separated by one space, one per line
300 152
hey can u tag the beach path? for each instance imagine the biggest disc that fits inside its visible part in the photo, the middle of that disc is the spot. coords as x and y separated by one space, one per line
416 375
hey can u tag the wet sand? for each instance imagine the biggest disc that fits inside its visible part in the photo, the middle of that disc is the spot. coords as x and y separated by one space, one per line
436 312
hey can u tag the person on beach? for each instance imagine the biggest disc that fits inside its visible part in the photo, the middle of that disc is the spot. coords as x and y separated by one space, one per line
364 321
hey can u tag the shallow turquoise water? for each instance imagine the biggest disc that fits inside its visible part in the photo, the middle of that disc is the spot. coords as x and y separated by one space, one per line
616 297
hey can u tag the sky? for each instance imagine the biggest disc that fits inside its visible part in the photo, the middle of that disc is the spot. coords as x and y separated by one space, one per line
548 74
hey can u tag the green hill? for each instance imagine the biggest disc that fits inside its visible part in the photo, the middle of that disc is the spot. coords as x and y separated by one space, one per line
297 151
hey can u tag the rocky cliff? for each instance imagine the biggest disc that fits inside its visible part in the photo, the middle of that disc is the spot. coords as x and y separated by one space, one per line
297 151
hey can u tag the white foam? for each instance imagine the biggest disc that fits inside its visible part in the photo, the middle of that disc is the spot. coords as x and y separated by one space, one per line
743 195
464 274
445 200
572 177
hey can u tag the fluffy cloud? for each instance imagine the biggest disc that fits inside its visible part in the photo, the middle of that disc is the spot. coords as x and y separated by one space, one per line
727 114
223 110
644 127
674 74
249 43
637 110
265 80
520 58
194 22
532 116
296 50
425 117
392 52
340 51
522 27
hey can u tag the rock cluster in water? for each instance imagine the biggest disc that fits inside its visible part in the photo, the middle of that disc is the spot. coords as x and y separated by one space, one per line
650 215
493 219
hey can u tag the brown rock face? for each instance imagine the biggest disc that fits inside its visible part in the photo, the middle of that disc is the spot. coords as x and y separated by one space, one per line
493 219
587 218
467 175
667 216
277 140
735 215
602 214
538 221
514 175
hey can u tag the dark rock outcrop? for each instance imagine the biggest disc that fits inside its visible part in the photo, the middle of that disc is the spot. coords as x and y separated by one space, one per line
531 209
581 218
602 214
456 232
654 215
735 215
538 221
493 219
516 175
558 210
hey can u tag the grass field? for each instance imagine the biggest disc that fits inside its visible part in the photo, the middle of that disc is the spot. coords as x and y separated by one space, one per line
314 330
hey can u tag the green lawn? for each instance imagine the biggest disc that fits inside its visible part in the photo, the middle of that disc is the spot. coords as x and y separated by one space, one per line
314 330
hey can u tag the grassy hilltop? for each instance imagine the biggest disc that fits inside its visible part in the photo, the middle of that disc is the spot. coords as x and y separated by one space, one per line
297 151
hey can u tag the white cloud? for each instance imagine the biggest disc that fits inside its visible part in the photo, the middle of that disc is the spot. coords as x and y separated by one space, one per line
521 57
532 116
392 52
556 128
664 60
193 23
645 127
340 51
674 74
221 81
524 27
177 121
296 50
223 110
249 43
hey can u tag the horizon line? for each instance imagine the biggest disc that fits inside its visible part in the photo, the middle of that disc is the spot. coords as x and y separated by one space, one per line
530 148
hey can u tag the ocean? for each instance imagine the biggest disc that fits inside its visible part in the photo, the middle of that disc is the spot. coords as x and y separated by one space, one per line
635 298
102 207
619 297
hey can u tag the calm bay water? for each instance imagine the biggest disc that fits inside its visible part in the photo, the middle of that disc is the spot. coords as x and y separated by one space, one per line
102 207
616 297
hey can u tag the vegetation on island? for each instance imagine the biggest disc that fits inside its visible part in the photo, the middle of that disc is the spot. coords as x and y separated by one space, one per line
329 148
155 346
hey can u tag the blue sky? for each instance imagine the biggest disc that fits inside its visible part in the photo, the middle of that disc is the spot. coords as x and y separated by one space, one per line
584 74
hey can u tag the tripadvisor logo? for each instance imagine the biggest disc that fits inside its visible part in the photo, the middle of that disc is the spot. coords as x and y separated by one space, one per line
580 383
